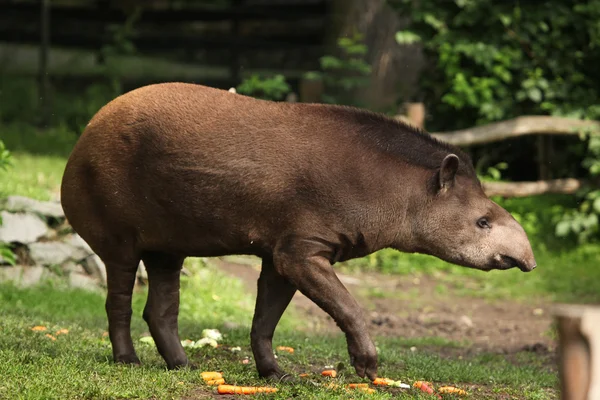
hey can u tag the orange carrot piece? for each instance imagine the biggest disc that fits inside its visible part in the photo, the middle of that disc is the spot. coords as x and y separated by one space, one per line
367 389
232 389
329 372
50 336
62 332
38 328
452 390
382 381
303 375
285 348
210 375
215 382
357 385
424 386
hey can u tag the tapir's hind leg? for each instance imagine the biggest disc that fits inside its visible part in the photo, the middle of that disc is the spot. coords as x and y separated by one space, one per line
120 277
274 295
162 307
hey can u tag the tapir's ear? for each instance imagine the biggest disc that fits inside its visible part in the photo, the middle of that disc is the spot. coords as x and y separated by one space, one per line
448 171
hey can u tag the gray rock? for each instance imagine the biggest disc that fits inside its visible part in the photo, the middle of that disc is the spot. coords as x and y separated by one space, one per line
12 274
22 275
94 266
51 253
32 275
21 228
80 247
25 204
82 281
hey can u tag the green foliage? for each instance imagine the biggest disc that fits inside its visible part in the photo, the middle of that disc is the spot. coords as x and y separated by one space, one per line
344 74
5 157
267 88
497 60
582 222
489 61
6 252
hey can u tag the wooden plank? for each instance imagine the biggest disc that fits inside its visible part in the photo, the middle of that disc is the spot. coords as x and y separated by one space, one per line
525 189
290 12
525 125
161 42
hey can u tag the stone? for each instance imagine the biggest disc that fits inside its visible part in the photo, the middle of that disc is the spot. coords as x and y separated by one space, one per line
32 275
95 266
82 281
51 253
21 228
22 275
81 248
466 321
24 204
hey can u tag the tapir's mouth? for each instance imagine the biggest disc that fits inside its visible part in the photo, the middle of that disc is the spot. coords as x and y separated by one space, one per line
507 262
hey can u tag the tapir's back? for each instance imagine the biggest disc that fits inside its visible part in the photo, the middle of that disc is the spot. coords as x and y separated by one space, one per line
170 162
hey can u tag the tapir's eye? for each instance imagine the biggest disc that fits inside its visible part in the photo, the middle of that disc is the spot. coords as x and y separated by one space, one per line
483 223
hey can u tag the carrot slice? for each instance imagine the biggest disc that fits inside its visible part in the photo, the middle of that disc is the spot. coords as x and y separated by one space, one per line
452 390
232 389
214 382
382 381
329 372
357 385
285 348
38 328
210 375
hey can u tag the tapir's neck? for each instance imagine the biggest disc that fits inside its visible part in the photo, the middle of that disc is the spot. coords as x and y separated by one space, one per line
390 223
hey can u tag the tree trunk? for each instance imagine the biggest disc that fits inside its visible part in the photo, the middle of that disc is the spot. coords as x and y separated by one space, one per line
395 68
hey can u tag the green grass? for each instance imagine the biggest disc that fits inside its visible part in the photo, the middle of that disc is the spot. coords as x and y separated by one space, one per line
38 160
78 364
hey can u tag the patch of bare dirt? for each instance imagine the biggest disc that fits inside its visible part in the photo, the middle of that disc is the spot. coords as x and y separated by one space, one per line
409 308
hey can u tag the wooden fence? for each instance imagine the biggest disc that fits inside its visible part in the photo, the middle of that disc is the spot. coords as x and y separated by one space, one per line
498 131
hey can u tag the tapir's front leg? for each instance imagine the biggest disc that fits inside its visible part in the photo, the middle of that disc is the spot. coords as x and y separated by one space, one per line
274 294
304 264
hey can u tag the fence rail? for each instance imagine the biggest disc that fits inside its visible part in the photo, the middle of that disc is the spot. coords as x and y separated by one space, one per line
509 129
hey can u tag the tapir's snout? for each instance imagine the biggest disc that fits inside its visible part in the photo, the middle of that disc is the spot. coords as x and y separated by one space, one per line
518 251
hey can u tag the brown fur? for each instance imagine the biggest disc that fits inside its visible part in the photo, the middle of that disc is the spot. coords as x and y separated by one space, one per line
175 170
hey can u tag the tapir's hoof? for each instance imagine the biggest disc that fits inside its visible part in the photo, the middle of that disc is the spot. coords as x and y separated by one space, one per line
130 359
279 376
185 365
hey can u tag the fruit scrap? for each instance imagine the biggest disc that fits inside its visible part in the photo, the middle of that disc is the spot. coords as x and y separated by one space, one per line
211 375
452 390
38 328
383 381
357 385
424 386
231 389
329 372
285 348
367 389
215 382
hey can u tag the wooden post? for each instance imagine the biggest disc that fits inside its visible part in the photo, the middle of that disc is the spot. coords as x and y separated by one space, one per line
579 347
43 83
415 112
234 48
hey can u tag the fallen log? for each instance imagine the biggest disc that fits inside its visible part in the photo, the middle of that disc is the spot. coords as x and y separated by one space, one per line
520 126
524 189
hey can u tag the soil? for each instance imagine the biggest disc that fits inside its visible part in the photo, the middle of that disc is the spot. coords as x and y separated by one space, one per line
412 308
